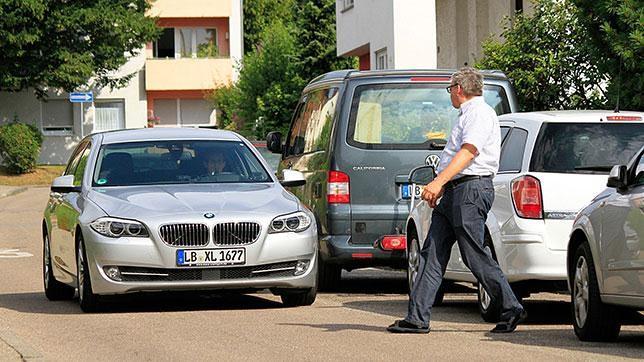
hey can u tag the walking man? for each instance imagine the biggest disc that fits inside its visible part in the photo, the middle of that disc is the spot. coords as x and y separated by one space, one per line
464 180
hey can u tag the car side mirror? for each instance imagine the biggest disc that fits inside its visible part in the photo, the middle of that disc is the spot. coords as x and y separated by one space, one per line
64 184
422 175
274 142
617 177
292 178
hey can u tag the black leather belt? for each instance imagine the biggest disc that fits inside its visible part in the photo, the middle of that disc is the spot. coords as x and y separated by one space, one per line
460 180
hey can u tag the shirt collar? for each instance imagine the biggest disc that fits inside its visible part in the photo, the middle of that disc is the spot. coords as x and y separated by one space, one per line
469 103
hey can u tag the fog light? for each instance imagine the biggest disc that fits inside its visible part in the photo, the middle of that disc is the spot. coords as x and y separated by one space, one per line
301 267
113 272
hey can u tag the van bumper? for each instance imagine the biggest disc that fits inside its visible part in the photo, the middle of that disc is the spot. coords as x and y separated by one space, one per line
338 249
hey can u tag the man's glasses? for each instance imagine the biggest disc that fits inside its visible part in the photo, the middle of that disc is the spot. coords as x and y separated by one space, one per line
449 89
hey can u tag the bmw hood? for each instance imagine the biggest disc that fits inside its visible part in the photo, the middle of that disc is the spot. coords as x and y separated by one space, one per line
137 201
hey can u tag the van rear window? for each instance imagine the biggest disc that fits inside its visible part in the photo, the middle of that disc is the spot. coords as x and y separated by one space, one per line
585 147
408 116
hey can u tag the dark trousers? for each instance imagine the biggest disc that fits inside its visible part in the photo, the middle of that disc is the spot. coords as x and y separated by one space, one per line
459 217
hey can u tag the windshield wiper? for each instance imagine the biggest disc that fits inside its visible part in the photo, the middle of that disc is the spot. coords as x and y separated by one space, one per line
594 168
437 143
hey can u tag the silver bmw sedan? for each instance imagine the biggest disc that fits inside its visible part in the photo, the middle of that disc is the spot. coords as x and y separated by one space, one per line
175 209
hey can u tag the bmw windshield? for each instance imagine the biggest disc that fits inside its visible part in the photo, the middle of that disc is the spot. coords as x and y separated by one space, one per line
177 162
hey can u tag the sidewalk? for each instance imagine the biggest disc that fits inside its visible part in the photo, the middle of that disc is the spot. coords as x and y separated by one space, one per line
11 190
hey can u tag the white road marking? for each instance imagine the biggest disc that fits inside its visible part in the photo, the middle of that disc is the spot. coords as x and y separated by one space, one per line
14 253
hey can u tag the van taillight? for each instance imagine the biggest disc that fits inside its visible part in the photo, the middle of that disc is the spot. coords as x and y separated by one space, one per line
526 195
337 189
623 118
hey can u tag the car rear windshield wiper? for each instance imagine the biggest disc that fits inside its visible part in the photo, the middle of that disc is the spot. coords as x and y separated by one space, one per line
437 143
594 168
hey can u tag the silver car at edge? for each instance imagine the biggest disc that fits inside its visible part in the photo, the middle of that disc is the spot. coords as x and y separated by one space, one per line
153 210
606 255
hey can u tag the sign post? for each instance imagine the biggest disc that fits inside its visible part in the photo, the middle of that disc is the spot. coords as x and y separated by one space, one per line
81 97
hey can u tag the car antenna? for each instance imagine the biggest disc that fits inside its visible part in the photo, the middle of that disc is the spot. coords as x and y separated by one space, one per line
619 85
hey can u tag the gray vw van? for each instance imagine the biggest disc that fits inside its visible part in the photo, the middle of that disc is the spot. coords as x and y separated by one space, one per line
356 135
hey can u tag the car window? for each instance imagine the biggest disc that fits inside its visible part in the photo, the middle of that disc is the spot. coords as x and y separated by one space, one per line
639 171
273 159
585 147
504 133
407 116
82 164
312 125
74 159
177 162
513 150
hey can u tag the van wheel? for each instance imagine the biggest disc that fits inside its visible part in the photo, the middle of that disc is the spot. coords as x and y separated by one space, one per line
592 319
489 307
54 290
329 276
89 302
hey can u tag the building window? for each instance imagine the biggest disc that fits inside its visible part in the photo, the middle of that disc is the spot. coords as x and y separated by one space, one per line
381 59
184 112
109 116
57 117
518 5
186 43
347 4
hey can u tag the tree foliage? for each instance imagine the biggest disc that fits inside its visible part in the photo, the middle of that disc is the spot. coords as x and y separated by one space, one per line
20 146
259 15
549 58
62 44
616 27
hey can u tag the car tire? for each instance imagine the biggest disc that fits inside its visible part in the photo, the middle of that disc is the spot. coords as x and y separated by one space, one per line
592 319
88 301
489 307
329 276
54 290
300 298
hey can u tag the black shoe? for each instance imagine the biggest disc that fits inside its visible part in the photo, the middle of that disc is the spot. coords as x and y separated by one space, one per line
402 326
511 324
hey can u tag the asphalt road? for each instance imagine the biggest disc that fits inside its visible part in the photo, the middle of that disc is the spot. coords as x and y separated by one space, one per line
345 325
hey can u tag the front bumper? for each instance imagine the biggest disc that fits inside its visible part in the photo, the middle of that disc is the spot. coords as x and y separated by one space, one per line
145 257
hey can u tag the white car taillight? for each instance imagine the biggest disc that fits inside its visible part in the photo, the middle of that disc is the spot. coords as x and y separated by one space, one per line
526 196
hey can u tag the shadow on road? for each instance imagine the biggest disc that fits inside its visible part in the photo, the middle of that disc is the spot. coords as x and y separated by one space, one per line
337 327
140 303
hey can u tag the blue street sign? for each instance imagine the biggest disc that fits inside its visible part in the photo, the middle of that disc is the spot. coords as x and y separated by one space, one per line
80 97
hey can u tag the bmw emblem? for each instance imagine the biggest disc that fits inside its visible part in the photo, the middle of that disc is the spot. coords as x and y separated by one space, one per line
432 160
209 215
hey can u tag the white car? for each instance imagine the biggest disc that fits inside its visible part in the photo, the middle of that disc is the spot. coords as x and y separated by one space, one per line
606 255
552 165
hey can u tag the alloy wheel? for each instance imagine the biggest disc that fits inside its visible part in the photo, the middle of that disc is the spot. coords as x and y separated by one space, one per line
413 262
46 261
580 291
80 267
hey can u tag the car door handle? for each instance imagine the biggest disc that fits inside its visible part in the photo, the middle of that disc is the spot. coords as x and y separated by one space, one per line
317 190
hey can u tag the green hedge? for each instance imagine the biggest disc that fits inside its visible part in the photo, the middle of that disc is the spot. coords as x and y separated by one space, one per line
20 146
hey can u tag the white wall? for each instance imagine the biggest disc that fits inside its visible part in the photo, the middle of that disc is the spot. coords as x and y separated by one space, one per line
414 34
368 22
56 149
236 31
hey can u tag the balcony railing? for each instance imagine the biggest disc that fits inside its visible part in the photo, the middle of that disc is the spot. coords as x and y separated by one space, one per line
187 73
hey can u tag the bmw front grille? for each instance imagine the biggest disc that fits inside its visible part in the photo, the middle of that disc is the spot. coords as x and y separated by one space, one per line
185 234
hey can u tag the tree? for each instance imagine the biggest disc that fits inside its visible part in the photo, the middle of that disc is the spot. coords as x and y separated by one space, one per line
259 15
315 34
269 82
616 27
62 44
549 57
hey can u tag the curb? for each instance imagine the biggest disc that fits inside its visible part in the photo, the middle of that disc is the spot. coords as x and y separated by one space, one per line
13 191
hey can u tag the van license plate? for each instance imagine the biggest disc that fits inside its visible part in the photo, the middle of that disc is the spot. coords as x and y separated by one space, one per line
405 191
211 257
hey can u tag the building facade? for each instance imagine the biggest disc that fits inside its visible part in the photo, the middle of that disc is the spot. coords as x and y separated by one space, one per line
419 34
200 44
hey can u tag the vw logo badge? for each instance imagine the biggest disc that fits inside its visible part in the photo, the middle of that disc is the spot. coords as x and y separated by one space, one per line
209 215
432 160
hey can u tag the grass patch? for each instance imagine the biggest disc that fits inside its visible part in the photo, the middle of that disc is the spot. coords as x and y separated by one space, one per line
42 175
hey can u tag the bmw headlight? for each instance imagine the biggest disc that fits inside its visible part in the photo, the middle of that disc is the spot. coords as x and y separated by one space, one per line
296 222
115 228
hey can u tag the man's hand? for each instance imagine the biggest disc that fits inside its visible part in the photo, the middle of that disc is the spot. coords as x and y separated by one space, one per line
432 192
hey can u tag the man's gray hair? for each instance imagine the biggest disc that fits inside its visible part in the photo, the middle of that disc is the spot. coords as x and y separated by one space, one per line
470 80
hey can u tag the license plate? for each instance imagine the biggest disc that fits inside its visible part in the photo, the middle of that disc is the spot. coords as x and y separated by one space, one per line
405 191
211 257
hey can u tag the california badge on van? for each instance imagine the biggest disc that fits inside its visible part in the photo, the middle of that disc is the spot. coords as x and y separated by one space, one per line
356 135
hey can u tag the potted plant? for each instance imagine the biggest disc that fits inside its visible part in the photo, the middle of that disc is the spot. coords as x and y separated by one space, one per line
153 120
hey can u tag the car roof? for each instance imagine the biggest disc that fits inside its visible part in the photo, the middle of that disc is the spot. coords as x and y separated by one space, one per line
340 75
573 116
162 133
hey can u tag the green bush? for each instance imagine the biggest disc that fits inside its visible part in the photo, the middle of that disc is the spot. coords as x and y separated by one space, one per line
20 146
